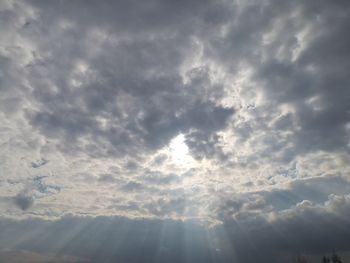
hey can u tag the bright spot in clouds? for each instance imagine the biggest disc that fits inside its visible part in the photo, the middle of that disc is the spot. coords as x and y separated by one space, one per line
179 149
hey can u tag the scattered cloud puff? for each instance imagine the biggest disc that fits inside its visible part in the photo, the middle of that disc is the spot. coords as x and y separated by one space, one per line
23 201
94 95
39 163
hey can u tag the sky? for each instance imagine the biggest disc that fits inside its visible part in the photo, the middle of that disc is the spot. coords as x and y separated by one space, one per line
174 131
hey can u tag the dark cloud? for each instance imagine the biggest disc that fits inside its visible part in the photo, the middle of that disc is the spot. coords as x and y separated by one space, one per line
309 217
21 256
107 178
159 159
39 163
167 206
315 191
155 177
203 145
23 200
325 84
154 240
132 186
131 95
306 230
303 71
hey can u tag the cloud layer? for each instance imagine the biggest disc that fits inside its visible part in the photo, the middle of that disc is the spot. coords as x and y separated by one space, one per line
233 114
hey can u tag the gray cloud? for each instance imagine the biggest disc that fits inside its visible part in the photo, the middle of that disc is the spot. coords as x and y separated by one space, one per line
23 201
29 256
39 163
132 94
258 90
305 229
130 91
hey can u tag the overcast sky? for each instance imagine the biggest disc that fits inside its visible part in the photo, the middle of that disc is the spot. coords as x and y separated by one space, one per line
174 130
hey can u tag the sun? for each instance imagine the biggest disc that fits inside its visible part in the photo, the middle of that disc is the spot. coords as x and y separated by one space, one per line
178 149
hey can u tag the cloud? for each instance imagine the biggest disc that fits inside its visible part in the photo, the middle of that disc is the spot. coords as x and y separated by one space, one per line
137 235
141 102
305 229
23 201
107 178
28 256
301 81
258 90
39 163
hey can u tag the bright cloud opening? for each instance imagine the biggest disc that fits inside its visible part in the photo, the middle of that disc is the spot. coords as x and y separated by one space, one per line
179 150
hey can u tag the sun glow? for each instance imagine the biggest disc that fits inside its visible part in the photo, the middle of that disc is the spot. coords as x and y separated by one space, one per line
179 149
